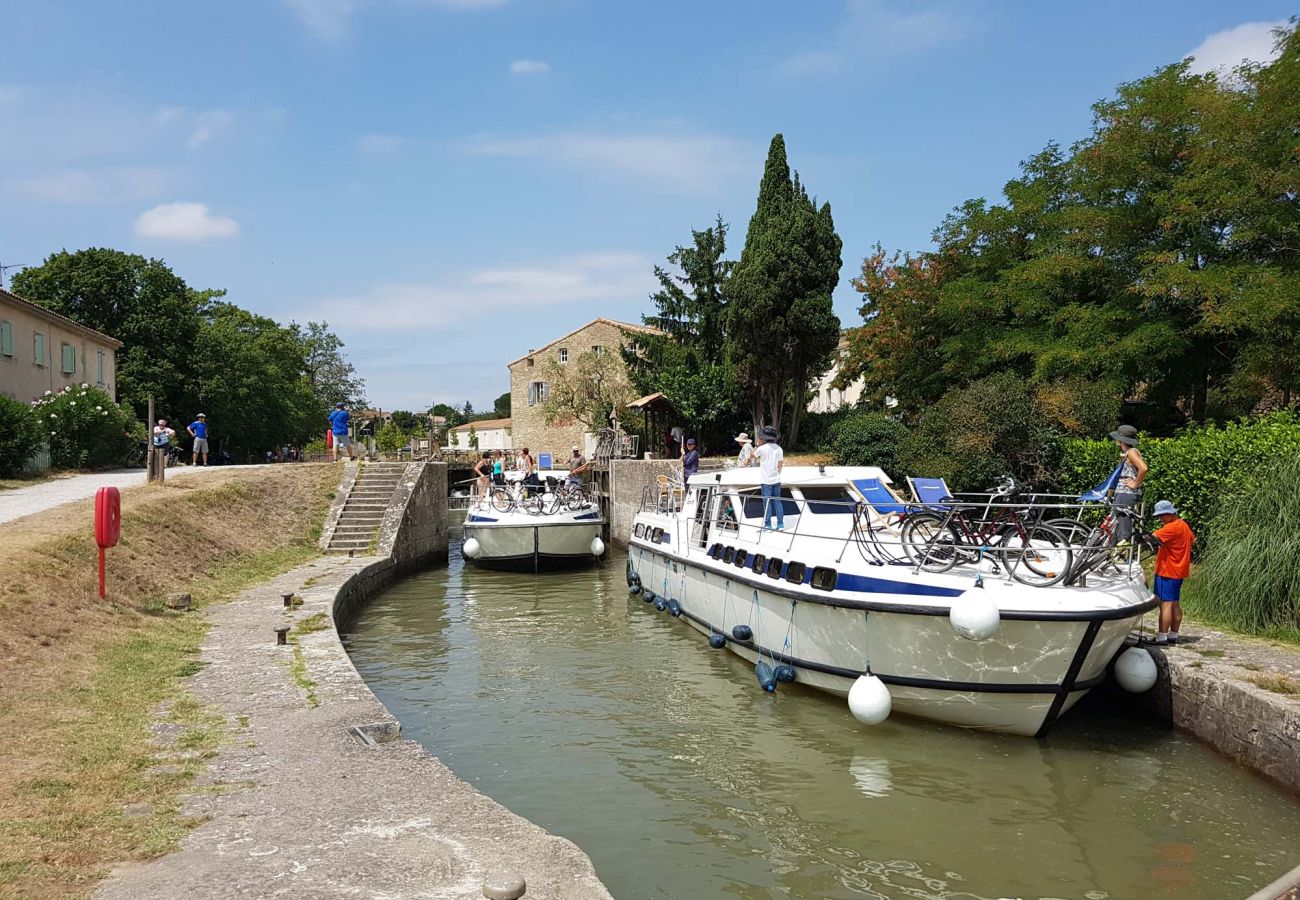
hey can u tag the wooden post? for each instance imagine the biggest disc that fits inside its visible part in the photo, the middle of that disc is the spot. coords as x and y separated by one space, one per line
155 458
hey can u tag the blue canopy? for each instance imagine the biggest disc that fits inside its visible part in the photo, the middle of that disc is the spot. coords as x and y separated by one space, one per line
882 500
1097 494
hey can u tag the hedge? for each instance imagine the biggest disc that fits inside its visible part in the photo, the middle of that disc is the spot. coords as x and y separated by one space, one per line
1195 469
20 435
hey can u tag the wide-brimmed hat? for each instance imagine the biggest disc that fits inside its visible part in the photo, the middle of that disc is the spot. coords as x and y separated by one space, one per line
768 433
1164 508
741 438
1125 434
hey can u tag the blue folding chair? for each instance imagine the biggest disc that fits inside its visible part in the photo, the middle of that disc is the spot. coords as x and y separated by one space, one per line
543 461
879 497
1101 491
931 492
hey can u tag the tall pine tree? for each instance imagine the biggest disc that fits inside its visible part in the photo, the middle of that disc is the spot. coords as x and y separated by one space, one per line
782 329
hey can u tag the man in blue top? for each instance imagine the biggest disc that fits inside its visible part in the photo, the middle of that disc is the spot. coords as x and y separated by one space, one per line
198 430
691 460
339 422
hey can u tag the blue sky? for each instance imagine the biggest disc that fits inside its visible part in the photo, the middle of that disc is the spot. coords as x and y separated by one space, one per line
452 182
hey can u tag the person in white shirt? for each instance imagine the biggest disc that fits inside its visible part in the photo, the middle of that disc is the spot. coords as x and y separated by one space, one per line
770 458
746 455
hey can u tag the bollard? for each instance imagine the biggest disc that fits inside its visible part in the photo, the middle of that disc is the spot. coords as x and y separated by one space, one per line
179 601
282 634
503 886
288 600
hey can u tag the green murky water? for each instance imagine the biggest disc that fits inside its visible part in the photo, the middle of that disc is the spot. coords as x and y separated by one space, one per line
617 727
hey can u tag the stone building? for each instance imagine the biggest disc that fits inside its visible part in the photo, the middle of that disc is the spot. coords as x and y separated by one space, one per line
41 351
489 434
529 390
826 398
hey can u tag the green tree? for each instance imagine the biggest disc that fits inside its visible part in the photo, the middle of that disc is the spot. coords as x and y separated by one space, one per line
390 437
139 301
473 437
781 327
21 433
501 406
408 422
448 412
586 389
332 377
87 430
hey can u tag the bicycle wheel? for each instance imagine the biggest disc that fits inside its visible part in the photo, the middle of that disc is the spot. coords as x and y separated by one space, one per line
1075 531
548 504
502 501
1039 557
576 500
532 504
1093 554
931 542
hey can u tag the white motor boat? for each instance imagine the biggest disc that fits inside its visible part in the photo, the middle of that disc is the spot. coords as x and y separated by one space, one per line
533 527
837 601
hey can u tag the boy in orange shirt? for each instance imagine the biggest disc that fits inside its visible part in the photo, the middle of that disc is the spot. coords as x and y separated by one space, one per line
1173 564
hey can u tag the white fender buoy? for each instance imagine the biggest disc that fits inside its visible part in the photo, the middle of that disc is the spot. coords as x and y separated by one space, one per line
869 700
597 546
471 548
1135 670
974 615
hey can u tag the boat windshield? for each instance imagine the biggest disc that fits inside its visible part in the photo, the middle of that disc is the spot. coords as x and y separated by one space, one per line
828 499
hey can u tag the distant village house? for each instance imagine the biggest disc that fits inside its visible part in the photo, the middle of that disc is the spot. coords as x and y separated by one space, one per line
41 351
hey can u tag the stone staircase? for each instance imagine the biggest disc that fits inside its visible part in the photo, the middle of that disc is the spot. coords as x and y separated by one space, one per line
363 511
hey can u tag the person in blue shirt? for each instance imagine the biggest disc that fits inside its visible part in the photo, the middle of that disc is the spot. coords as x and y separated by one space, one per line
691 460
339 426
198 430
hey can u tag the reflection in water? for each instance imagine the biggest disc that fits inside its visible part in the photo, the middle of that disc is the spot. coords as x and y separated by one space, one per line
616 726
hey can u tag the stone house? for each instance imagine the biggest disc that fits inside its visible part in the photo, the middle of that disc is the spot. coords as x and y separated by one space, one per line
825 398
41 351
492 434
529 390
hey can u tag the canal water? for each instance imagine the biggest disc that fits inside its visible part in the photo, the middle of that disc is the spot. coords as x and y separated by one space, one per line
617 727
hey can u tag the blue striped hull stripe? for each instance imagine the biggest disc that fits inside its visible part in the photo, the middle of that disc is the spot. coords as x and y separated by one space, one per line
865 584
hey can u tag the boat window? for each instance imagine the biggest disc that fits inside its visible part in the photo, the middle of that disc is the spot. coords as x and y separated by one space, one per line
759 564
795 572
827 499
754 504
639 530
729 554
715 551
656 535
824 579
774 568
741 557
665 537
727 515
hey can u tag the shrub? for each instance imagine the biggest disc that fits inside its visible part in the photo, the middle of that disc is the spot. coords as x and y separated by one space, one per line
868 439
86 429
815 428
1249 577
978 433
20 435
1194 470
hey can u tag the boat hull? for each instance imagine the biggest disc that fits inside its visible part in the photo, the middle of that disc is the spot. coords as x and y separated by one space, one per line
532 545
999 684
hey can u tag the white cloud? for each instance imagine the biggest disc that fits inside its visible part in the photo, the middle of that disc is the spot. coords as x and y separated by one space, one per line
529 67
1225 50
378 145
184 222
469 296
873 30
331 20
207 125
693 163
94 185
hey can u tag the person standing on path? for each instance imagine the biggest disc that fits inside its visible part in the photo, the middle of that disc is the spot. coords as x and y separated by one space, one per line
1133 470
746 455
690 461
340 421
198 430
1173 564
162 440
771 459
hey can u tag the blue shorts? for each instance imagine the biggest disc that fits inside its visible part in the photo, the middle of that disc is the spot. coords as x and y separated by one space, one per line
1168 590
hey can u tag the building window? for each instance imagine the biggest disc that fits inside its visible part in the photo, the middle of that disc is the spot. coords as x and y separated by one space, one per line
597 349
538 392
69 359
99 360
564 354
530 362
38 349
6 339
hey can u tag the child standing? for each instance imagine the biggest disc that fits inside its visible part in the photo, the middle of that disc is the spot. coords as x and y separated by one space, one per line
1173 564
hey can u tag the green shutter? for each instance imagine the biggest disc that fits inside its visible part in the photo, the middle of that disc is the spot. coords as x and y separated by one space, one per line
38 349
100 357
6 339
69 359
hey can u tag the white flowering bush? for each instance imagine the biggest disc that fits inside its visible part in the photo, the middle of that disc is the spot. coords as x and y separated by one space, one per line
20 435
85 429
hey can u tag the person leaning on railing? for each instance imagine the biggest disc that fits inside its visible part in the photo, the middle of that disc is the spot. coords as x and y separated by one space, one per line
1133 470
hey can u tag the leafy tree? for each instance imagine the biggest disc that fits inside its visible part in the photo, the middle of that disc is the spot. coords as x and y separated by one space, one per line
408 422
473 437
139 301
21 433
586 390
501 406
781 327
467 411
448 412
332 377
869 439
87 430
390 437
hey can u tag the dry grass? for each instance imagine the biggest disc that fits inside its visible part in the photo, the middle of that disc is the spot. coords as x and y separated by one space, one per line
1275 682
81 785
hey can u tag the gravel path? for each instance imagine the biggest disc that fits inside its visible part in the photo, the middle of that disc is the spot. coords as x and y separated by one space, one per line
39 497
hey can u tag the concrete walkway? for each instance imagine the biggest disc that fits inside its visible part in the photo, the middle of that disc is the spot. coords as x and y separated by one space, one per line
48 494
296 806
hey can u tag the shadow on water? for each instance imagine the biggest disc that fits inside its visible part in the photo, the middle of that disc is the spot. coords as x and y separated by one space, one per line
616 726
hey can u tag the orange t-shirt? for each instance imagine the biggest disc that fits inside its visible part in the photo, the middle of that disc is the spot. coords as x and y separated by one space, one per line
1174 558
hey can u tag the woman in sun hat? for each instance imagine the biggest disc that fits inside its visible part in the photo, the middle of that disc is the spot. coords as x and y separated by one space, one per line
771 459
746 455
1133 470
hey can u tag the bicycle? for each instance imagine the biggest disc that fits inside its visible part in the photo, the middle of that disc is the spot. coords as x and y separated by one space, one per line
1033 553
1097 550
564 496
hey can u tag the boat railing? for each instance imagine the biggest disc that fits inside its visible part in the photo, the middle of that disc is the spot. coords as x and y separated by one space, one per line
878 536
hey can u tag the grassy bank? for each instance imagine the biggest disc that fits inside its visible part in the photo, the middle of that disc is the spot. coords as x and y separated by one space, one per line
88 778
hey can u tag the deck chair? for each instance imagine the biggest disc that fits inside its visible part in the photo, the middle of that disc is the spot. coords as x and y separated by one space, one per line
543 461
1101 491
931 492
887 509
